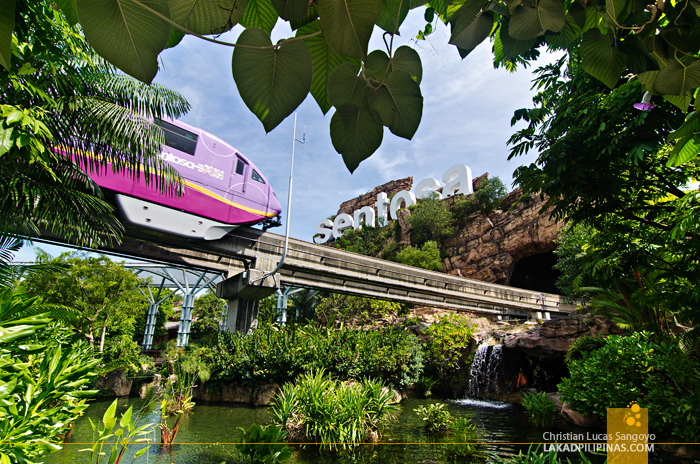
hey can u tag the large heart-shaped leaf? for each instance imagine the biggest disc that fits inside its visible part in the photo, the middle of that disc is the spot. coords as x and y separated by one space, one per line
207 17
348 24
309 18
600 59
346 87
7 24
324 61
176 36
470 26
126 34
529 22
272 81
69 9
677 78
355 134
511 46
389 15
615 8
405 58
685 150
291 10
261 14
399 103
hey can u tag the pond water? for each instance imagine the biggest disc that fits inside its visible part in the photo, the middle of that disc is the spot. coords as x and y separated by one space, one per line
205 432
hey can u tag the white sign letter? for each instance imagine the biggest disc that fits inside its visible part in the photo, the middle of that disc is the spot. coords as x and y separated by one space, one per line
342 221
426 187
322 228
457 179
381 205
364 215
407 198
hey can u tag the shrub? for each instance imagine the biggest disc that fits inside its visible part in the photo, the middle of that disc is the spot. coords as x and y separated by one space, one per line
540 408
337 414
486 198
635 369
356 309
370 241
465 436
263 444
436 418
449 345
280 354
430 220
427 257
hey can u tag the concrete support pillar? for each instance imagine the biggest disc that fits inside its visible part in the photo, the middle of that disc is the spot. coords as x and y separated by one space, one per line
243 292
151 317
183 332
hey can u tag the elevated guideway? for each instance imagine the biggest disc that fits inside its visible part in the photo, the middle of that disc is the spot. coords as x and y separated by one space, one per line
246 254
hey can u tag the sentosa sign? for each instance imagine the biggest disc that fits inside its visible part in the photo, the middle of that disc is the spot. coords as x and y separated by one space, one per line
457 179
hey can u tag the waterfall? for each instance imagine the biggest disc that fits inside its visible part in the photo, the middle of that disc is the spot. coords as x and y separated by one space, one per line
485 370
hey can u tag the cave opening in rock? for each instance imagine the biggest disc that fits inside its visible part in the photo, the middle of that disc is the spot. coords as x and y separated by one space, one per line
536 273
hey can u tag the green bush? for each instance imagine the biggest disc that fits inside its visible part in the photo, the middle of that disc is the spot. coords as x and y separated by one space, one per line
465 437
635 369
356 309
368 240
263 444
430 220
436 417
280 354
427 257
448 345
540 408
317 408
486 198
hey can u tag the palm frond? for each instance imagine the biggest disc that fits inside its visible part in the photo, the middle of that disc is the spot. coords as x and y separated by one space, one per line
9 245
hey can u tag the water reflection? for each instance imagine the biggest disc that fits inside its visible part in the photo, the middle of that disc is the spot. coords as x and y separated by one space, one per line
206 435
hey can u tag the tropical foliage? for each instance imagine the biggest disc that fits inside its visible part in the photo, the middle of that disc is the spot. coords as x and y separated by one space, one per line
486 198
625 188
436 417
329 57
449 345
58 98
426 257
280 354
540 407
430 220
263 444
318 409
637 369
355 309
43 378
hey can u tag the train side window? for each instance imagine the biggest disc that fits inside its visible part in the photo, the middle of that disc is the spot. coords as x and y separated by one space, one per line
240 167
177 137
257 177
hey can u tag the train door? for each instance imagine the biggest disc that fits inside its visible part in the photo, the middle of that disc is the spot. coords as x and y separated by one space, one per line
239 175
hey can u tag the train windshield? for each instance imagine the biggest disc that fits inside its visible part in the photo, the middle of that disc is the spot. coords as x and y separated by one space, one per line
177 137
257 177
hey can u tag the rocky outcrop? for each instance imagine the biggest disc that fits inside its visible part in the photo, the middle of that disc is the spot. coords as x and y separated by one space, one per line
553 338
580 419
114 383
370 198
259 395
487 246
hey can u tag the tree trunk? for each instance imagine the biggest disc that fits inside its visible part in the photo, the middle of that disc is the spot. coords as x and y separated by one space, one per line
102 337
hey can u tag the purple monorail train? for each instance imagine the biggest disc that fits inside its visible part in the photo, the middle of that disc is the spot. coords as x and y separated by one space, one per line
223 189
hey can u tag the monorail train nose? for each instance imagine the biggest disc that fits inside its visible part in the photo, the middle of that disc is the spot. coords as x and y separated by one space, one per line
274 205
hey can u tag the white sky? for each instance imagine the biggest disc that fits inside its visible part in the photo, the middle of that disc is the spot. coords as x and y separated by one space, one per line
466 119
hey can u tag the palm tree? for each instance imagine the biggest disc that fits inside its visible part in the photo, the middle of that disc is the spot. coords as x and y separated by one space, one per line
59 96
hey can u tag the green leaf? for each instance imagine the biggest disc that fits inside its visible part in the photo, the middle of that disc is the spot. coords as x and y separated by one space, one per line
600 59
405 58
6 388
355 134
685 150
390 11
614 8
272 81
206 17
688 128
126 417
260 14
324 62
7 24
175 37
6 140
511 46
470 26
530 22
399 103
638 58
348 24
677 78
69 9
291 10
346 87
681 102
309 18
109 419
125 34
